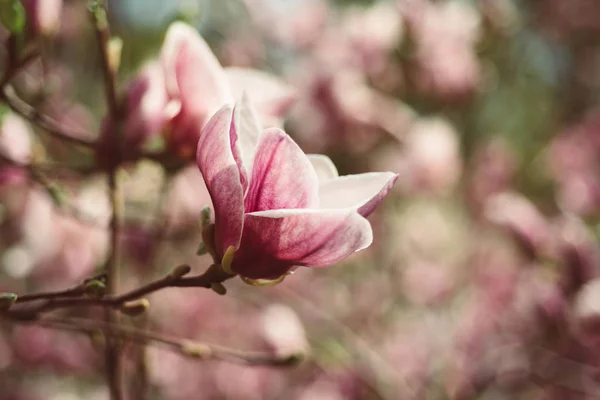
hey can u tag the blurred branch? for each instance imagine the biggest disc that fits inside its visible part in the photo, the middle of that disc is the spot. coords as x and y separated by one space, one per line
187 348
75 291
53 127
99 19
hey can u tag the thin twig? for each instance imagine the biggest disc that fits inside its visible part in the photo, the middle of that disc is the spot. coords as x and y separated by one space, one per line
78 290
48 124
57 300
113 360
188 348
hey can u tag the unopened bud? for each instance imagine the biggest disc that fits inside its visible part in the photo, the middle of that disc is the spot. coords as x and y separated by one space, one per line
205 217
7 300
218 288
208 238
135 308
197 350
95 288
180 271
115 46
202 250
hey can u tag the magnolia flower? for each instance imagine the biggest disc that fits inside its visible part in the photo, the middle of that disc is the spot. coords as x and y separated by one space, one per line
275 207
198 86
181 91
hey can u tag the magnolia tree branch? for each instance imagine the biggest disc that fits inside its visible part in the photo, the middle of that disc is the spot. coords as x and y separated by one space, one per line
15 64
188 348
113 360
53 127
86 293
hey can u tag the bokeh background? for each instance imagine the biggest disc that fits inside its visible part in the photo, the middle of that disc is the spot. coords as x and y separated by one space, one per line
482 279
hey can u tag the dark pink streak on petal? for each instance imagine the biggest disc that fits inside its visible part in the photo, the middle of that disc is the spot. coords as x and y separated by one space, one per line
282 175
275 241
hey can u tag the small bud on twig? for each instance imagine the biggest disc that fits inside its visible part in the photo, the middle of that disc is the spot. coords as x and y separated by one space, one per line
7 300
115 46
218 288
205 217
180 271
135 308
208 238
197 350
202 250
95 288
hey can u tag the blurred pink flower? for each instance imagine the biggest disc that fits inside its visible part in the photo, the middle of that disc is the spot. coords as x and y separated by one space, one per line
445 35
373 32
291 23
283 330
587 314
197 86
15 139
15 146
270 206
523 221
146 102
43 16
433 155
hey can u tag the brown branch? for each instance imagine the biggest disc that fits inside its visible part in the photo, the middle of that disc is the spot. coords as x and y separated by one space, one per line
64 299
187 348
48 124
113 360
75 291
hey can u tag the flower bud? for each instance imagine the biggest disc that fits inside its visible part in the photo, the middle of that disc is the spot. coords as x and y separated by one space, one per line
196 350
135 308
218 288
208 238
180 271
206 217
115 47
7 300
95 288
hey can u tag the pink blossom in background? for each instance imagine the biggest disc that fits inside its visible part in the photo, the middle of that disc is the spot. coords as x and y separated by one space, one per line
146 103
15 139
294 23
198 86
444 34
523 221
15 145
432 156
43 16
270 206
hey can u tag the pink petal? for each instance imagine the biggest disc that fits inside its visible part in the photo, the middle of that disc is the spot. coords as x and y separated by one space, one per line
275 241
246 134
324 167
271 95
191 68
282 176
146 103
217 163
362 192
